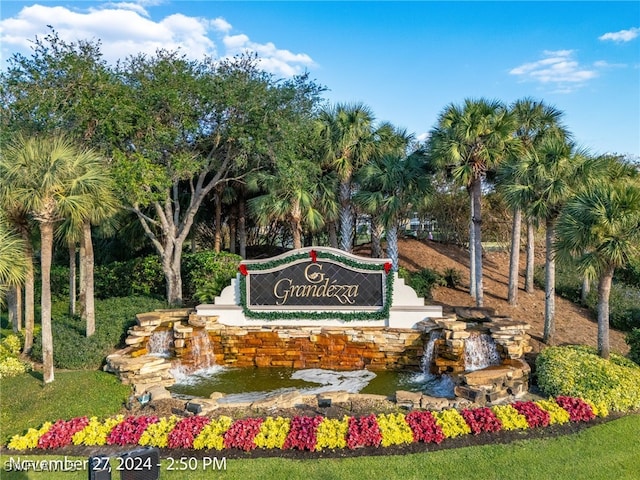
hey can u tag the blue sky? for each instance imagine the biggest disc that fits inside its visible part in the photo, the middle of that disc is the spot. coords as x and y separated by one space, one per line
406 60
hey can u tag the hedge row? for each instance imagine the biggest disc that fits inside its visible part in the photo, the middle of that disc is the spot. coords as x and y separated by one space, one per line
204 275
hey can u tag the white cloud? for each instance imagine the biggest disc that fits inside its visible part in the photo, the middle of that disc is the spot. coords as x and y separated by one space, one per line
135 7
221 25
621 35
127 29
422 137
605 64
558 70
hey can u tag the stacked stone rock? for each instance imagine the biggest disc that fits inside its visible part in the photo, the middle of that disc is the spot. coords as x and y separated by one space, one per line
493 384
374 348
316 347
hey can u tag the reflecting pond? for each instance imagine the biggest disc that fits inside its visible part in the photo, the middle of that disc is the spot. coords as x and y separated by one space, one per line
250 384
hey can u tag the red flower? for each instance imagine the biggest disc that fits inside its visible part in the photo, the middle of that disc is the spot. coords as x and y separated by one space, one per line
363 432
243 269
481 420
303 433
60 434
578 409
242 433
314 256
536 417
186 430
387 267
424 427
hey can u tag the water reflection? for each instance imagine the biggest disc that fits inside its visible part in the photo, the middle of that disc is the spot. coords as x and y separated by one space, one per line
252 384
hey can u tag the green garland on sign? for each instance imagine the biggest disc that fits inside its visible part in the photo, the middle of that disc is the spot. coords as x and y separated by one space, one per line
345 316
301 256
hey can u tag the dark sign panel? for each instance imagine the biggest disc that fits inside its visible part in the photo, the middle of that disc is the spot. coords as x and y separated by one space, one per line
315 285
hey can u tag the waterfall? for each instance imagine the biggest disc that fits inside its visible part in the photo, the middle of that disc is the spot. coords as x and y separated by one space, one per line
202 349
434 385
160 343
480 351
429 351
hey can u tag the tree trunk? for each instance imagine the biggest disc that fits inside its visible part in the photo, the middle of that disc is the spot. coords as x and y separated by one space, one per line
296 224
586 288
477 227
217 221
13 307
333 234
346 216
242 228
528 279
392 245
376 235
29 293
604 290
232 222
72 278
472 254
19 310
87 262
549 285
171 262
46 253
514 260
82 290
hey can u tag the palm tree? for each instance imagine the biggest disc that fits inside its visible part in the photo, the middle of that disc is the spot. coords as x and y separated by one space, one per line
549 175
388 186
52 180
534 120
291 198
469 141
20 222
600 227
12 261
347 137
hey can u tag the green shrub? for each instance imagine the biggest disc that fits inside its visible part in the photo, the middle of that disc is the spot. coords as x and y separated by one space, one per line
73 350
10 364
578 371
624 300
452 277
568 281
423 281
205 274
630 274
633 340
624 306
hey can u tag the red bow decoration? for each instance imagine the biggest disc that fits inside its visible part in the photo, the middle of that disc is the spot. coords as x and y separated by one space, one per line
243 269
387 267
314 256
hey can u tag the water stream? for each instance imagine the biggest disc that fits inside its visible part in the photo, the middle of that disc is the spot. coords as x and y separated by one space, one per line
480 351
160 343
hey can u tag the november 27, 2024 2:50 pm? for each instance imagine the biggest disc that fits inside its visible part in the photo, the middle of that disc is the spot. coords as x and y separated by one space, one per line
104 463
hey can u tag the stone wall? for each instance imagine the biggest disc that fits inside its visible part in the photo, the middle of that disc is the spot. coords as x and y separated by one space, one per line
492 384
336 348
374 348
201 341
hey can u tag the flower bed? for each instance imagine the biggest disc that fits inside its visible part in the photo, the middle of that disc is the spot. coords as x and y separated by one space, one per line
304 433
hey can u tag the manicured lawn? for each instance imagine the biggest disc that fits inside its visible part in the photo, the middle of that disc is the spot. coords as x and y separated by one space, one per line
607 451
25 402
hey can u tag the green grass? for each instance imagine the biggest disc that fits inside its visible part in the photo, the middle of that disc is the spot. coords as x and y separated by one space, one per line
25 402
602 452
